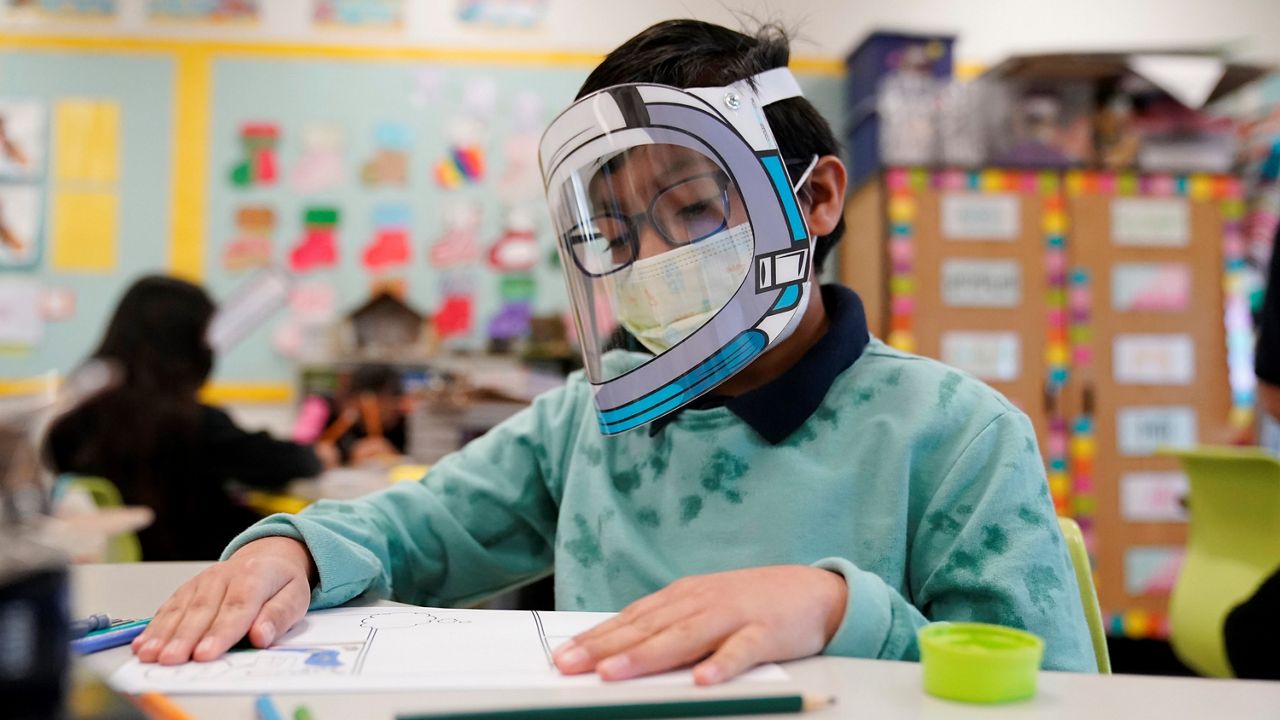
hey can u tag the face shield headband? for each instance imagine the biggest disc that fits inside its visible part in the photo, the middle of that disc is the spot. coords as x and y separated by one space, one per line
655 192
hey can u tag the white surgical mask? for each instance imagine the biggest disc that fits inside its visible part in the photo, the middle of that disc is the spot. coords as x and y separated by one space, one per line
663 299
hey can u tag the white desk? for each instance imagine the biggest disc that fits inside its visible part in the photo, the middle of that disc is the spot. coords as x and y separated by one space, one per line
864 688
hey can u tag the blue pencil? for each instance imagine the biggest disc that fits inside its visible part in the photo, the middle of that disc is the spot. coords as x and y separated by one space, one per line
105 640
266 709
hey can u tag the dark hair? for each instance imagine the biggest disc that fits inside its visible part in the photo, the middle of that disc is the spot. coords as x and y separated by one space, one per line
380 379
156 341
692 53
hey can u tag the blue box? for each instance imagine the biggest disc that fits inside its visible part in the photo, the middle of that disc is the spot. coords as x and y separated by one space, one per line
879 54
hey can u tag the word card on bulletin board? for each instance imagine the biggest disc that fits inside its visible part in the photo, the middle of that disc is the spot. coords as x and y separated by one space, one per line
371 171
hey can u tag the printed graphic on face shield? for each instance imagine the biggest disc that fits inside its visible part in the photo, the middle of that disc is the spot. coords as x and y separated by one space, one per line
659 234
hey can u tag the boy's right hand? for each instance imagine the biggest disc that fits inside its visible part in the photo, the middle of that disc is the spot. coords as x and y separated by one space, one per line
261 590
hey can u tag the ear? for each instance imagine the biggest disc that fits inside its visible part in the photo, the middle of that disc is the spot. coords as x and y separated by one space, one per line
824 191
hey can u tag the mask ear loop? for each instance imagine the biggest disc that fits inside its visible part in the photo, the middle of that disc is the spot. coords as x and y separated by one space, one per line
804 177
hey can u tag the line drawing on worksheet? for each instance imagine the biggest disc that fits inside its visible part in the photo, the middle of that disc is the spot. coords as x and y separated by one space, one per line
371 648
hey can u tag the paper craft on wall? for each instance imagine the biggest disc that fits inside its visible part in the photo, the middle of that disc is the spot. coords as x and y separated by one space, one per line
58 10
86 141
320 165
318 247
313 303
21 324
1143 430
204 11
991 356
454 318
84 232
367 14
1151 569
390 246
20 236
972 216
519 287
1150 222
517 249
22 138
458 244
502 14
511 322
1153 496
1150 287
252 245
1150 359
981 283
389 165
259 164
465 161
249 307
57 304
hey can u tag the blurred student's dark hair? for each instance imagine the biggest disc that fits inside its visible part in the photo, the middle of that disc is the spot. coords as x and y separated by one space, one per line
156 341
380 379
692 53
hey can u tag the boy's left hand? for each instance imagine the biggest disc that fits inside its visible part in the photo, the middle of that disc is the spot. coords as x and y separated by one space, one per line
740 618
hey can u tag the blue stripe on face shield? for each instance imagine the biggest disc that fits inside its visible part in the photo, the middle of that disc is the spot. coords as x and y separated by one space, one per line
725 362
778 174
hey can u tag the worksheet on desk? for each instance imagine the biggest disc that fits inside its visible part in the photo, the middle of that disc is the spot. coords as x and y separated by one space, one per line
399 648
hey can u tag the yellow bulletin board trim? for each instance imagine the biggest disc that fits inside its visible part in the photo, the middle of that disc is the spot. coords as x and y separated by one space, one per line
319 51
246 393
212 394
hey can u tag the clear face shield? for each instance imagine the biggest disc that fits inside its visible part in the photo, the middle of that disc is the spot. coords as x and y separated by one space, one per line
658 241
679 229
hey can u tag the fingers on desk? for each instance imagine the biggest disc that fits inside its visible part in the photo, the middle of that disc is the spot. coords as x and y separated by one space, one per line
217 608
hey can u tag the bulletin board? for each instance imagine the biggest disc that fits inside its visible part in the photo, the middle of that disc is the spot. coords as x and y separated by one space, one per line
1113 308
351 167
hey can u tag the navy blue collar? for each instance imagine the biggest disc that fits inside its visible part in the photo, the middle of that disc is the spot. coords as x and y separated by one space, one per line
780 407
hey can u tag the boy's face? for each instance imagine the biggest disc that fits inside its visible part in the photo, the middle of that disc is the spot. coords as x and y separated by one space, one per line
651 200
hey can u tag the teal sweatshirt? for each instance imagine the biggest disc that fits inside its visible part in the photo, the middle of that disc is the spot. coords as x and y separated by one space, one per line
920 485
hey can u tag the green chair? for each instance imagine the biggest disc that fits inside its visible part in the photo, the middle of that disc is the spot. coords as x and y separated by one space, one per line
1233 544
1088 594
121 548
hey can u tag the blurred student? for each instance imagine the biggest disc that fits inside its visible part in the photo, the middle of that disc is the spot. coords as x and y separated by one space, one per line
1250 625
368 421
153 438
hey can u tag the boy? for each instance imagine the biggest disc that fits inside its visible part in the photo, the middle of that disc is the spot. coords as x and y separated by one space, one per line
770 484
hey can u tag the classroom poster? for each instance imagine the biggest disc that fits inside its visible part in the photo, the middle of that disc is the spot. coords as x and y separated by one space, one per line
363 14
1153 496
990 356
981 283
20 236
21 325
970 216
1151 569
1150 222
22 139
1150 287
24 10
86 135
1154 359
85 231
502 14
1143 430
203 11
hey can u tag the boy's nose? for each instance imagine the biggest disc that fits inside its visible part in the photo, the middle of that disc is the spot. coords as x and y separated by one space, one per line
650 242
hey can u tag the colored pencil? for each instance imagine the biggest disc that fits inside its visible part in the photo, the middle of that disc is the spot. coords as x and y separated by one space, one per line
643 711
266 710
160 707
107 639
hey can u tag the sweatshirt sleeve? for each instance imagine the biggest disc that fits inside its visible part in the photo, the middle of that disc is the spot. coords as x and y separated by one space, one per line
482 519
253 458
986 548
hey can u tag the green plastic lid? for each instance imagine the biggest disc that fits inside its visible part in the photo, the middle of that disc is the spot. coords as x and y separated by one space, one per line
979 663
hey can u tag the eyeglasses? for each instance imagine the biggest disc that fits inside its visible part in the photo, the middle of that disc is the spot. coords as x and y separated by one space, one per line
691 210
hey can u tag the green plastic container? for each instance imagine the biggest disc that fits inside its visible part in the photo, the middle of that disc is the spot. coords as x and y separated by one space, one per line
979 663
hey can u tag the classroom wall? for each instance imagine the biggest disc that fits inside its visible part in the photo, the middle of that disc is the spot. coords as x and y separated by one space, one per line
988 30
